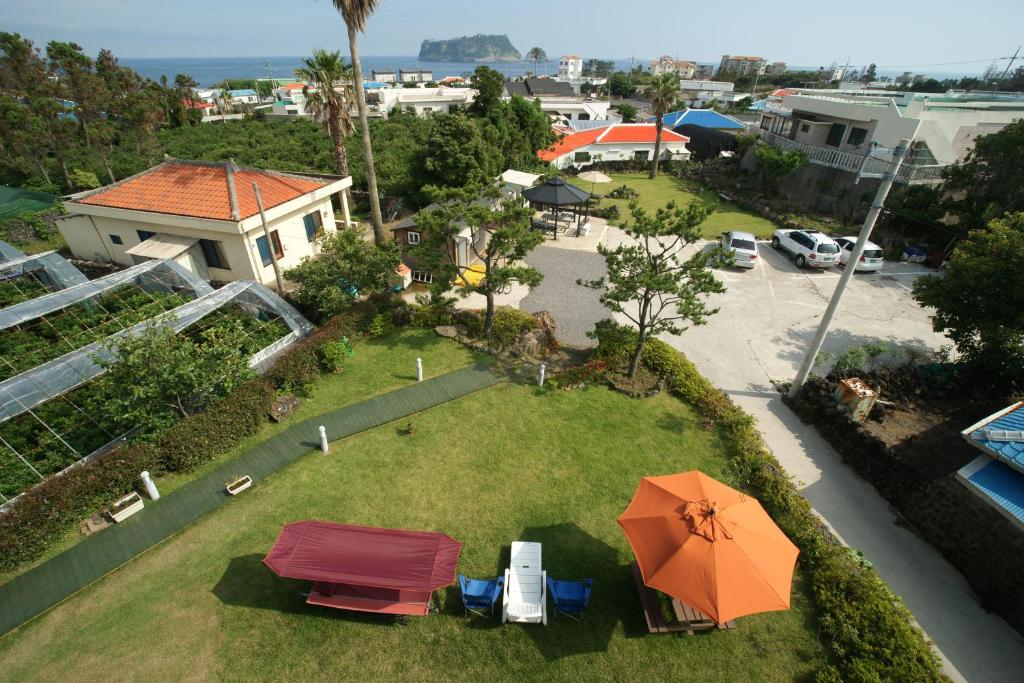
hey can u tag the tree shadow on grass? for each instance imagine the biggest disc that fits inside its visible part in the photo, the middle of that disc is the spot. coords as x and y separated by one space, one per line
247 582
570 553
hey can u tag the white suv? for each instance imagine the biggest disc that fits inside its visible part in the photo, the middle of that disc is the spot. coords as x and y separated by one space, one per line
810 247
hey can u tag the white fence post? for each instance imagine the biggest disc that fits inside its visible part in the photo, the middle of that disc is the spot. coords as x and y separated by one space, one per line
419 369
150 485
540 379
324 446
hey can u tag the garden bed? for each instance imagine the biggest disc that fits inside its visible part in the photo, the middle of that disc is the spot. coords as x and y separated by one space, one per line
21 287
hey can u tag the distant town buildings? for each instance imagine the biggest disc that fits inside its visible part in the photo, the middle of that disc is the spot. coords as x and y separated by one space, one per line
667 65
743 66
422 101
384 76
776 68
614 142
701 93
570 67
415 75
558 100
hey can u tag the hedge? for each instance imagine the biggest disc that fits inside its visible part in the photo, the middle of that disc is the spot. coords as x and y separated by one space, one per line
866 629
45 513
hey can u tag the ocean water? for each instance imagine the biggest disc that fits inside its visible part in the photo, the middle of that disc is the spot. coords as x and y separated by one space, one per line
209 70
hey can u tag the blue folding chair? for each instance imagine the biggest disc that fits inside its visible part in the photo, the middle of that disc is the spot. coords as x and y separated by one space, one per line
570 597
481 594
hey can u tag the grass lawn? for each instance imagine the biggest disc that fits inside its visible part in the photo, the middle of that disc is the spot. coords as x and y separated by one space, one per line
508 463
665 188
379 365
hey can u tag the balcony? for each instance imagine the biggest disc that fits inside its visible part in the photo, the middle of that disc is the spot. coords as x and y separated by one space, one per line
908 174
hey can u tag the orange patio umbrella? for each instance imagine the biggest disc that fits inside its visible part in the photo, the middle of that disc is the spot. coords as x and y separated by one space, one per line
709 545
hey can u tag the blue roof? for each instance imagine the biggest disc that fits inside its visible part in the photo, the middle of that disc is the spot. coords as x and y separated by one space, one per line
1010 452
1000 484
241 93
375 84
707 118
759 105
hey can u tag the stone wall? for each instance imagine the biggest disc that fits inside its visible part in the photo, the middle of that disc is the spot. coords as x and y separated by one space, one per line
982 544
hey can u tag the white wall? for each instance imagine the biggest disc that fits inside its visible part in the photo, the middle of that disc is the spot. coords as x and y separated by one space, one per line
622 151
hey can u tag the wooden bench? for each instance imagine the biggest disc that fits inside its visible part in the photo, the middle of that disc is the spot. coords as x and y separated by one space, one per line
687 619
369 599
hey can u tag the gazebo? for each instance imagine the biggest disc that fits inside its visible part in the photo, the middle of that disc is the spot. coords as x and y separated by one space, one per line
556 194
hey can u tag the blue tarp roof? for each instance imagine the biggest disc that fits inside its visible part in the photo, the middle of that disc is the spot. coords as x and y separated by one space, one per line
1002 485
375 84
241 93
1010 452
759 105
707 118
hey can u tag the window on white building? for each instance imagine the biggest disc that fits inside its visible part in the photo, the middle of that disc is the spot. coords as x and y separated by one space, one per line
422 276
412 237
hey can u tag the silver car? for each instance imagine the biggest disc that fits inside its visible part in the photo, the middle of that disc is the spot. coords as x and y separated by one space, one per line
741 247
870 260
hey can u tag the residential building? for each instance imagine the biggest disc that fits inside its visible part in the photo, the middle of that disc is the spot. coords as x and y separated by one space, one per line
462 249
704 72
776 68
838 127
997 476
742 66
384 76
710 133
415 75
614 142
204 215
700 93
244 96
667 65
423 101
570 68
558 100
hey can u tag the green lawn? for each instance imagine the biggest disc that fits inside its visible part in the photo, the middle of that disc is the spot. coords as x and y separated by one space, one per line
379 365
508 463
665 188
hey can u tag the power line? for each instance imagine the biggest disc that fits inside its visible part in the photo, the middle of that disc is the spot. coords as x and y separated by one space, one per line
920 66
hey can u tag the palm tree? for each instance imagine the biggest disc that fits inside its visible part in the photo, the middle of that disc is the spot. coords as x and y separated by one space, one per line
664 95
355 13
537 55
325 76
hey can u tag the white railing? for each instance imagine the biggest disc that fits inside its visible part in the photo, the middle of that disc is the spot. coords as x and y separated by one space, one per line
848 161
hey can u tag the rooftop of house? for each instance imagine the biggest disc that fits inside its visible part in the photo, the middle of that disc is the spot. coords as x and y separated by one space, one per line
246 92
742 58
199 189
616 133
539 87
196 104
705 118
1001 436
999 474
1002 486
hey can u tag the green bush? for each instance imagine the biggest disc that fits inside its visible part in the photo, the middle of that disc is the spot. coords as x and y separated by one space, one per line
624 192
866 629
508 324
610 212
333 354
381 325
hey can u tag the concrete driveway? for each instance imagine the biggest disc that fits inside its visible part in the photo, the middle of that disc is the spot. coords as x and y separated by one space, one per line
767 318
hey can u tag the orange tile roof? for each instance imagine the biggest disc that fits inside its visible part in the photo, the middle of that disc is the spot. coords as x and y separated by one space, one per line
292 86
615 133
200 190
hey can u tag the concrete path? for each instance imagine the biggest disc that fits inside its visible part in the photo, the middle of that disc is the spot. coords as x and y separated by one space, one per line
766 320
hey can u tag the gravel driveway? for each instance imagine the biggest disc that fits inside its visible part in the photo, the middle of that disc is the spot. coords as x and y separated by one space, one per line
574 308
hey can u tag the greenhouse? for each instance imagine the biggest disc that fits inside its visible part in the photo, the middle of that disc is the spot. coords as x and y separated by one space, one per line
25 277
51 380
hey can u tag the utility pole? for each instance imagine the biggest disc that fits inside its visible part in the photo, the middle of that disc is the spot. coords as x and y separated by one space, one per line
1007 69
270 241
888 178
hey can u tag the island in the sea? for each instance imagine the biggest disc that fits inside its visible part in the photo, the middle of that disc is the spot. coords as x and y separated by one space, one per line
478 48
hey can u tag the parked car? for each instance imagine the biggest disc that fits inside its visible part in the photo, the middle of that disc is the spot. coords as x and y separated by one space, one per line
742 246
870 260
809 247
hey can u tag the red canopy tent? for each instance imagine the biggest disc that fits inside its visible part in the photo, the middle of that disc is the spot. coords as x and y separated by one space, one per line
368 569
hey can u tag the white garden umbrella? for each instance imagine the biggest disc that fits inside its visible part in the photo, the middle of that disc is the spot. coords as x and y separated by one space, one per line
594 177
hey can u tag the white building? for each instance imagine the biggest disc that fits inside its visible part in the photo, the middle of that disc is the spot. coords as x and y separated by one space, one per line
570 68
558 100
385 76
245 96
614 142
699 94
204 216
837 127
424 101
416 75
742 66
667 65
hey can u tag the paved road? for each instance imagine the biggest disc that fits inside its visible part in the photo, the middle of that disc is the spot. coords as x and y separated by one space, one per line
767 317
574 308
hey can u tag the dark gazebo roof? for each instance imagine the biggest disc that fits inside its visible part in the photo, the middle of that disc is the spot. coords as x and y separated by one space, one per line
556 192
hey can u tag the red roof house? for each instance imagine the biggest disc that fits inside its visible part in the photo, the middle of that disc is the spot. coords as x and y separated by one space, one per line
615 142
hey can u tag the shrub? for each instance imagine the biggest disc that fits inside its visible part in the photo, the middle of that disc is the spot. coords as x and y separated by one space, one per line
380 326
431 311
866 629
624 192
333 354
610 212
508 324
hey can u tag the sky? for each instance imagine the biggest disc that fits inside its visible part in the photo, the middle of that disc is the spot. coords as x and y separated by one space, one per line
943 35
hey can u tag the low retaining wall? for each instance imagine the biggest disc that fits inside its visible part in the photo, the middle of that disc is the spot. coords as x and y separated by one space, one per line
982 544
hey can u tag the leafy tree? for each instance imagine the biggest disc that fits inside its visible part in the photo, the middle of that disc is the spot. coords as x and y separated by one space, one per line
348 266
84 180
355 13
536 55
775 163
160 376
990 181
649 282
500 236
870 74
327 100
628 113
743 104
456 154
979 300
489 84
598 68
620 85
664 95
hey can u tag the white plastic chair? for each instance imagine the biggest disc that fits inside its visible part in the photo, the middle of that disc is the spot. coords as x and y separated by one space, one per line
525 597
